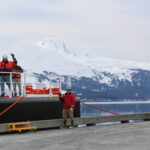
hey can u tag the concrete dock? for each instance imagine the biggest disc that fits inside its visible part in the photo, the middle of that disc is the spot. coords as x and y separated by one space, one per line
130 136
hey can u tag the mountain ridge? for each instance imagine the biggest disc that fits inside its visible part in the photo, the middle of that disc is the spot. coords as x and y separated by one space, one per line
92 77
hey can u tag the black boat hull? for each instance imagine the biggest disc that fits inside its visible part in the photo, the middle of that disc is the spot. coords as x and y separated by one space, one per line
31 109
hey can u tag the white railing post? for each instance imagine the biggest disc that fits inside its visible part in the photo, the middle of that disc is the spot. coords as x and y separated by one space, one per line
69 81
60 83
50 87
24 85
11 86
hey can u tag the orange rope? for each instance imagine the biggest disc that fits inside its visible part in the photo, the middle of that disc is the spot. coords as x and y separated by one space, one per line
4 111
91 106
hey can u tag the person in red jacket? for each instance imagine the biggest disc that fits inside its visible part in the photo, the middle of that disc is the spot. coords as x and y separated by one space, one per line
16 79
69 101
5 66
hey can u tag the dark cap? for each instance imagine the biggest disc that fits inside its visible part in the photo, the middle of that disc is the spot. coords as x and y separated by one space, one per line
68 89
5 57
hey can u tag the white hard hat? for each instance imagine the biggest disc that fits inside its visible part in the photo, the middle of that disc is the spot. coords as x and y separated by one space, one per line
5 57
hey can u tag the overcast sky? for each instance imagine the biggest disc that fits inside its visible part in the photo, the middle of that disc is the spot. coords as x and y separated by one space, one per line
111 28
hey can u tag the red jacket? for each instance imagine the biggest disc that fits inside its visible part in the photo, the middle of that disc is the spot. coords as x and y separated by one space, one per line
9 65
17 68
16 75
69 100
6 67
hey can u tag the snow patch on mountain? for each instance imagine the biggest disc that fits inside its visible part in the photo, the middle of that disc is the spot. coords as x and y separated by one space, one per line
62 47
58 56
93 62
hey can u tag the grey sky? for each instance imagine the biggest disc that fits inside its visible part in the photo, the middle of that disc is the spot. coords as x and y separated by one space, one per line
111 28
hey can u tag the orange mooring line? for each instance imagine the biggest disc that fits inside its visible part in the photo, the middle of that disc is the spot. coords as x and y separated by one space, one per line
9 107
94 107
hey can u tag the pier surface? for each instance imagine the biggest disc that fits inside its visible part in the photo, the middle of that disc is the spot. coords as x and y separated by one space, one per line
130 136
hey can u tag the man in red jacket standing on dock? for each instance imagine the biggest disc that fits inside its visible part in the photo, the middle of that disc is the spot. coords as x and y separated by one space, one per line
69 101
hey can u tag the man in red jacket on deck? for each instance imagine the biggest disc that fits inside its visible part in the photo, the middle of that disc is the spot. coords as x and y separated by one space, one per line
69 101
6 66
16 79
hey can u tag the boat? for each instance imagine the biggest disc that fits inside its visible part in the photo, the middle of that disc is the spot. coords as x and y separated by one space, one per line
38 101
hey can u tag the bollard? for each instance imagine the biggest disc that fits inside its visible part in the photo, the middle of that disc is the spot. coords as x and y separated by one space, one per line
91 124
147 119
125 121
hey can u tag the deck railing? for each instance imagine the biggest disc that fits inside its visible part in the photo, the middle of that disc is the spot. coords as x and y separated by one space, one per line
31 86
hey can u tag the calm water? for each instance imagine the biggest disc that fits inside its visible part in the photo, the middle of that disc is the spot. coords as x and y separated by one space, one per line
118 107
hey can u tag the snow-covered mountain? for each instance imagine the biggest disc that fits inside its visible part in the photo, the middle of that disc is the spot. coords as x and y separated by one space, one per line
92 75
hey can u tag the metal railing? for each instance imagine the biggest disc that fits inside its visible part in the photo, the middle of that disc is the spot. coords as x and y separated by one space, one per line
34 83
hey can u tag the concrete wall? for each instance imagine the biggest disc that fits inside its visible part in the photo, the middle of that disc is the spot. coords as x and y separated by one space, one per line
84 121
